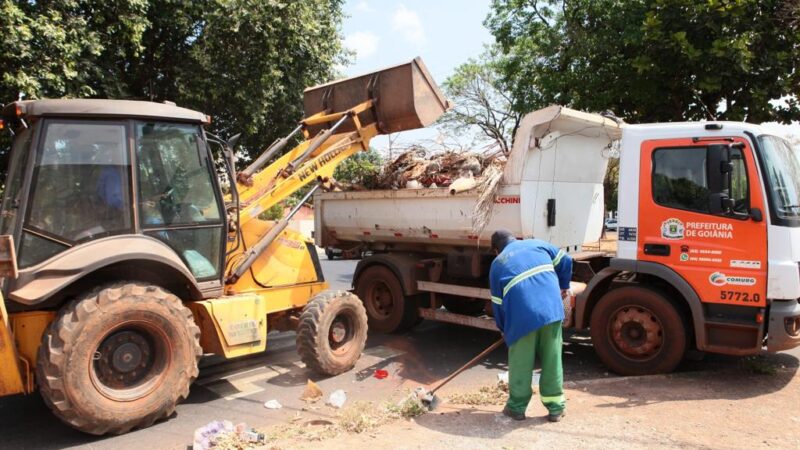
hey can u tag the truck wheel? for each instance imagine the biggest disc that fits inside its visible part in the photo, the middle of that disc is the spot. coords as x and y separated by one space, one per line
329 253
120 357
387 308
459 305
332 332
637 331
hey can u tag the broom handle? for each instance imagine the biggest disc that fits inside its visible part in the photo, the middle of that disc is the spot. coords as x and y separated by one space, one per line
468 364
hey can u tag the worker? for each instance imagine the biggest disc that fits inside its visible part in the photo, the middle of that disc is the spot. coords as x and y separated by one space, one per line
525 280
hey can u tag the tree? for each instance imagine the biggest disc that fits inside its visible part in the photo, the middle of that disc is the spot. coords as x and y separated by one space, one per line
243 62
363 168
481 101
652 60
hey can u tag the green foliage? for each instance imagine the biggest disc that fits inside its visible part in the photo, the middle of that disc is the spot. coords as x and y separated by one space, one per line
481 100
275 212
653 60
610 185
362 168
243 62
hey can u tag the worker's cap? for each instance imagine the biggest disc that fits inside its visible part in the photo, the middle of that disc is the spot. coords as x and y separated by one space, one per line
500 239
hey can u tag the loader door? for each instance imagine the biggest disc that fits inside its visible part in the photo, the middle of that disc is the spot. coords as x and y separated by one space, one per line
696 215
179 201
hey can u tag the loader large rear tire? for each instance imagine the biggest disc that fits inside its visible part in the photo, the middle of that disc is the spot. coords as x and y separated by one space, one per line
118 358
332 332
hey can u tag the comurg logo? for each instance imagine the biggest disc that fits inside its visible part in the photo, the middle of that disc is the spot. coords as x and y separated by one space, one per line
720 279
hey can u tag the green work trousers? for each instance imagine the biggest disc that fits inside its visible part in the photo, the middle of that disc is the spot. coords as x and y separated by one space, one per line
546 343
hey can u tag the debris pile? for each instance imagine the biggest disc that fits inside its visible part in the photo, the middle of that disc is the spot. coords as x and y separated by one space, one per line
224 435
414 169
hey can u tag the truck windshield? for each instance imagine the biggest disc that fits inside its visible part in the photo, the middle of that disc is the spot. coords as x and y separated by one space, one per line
782 167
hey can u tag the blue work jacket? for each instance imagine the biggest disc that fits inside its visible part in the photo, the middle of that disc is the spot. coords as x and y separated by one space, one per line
526 280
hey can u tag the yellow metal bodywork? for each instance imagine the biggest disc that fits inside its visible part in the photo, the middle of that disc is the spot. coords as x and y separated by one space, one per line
17 360
11 376
284 277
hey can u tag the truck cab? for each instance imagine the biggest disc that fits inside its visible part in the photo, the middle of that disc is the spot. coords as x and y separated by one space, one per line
709 227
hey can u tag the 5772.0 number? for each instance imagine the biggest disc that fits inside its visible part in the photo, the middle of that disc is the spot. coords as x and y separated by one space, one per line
741 297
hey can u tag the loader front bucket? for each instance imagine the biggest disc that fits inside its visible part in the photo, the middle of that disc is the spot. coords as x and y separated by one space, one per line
404 97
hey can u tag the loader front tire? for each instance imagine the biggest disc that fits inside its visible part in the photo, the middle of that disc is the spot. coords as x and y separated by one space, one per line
118 358
332 332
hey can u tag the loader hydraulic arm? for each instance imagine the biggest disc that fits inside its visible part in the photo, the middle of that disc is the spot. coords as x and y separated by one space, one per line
314 159
341 119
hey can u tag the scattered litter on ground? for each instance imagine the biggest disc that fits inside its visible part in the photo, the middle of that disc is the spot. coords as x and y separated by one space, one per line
273 404
496 394
357 418
380 374
411 406
312 392
223 435
502 377
337 398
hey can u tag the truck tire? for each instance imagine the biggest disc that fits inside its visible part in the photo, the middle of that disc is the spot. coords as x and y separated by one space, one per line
332 332
387 308
460 305
120 357
637 331
329 253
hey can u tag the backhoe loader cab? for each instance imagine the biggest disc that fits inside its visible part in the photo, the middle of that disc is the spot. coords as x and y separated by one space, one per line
132 263
111 176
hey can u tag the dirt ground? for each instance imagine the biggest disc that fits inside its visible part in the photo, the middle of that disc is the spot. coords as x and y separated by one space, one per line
731 409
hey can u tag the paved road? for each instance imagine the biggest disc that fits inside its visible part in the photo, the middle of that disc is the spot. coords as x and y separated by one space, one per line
237 390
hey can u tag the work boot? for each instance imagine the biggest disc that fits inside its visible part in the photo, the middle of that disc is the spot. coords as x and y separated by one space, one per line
514 415
556 417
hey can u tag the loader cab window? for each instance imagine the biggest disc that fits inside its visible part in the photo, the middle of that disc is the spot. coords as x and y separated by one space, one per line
80 189
16 174
178 199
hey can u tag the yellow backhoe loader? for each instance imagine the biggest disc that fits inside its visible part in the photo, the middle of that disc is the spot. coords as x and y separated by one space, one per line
124 262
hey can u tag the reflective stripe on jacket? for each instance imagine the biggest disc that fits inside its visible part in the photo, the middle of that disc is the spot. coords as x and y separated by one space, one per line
526 281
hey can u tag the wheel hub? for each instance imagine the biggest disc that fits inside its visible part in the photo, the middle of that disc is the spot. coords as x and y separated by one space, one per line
637 332
338 332
341 334
124 359
381 300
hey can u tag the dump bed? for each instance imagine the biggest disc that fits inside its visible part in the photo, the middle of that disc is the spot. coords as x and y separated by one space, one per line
552 189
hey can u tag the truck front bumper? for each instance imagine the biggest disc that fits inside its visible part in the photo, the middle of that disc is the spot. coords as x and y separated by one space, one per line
784 325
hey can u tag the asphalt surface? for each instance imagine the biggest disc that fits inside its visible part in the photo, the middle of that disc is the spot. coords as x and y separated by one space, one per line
236 390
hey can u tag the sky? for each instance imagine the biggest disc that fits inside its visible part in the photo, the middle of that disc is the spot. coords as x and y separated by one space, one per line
445 33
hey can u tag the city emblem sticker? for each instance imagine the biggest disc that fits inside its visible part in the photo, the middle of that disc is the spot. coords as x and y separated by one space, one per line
672 229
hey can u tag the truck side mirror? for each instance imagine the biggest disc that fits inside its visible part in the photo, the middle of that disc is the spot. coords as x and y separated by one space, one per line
719 168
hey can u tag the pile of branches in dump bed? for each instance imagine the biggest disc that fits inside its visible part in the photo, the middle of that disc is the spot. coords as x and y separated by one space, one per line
414 169
479 172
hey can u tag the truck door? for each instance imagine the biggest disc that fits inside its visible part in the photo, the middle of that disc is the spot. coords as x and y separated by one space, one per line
700 216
